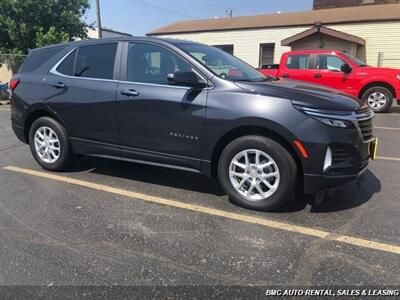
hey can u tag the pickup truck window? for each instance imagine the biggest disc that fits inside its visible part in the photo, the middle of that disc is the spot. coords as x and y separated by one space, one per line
298 61
329 62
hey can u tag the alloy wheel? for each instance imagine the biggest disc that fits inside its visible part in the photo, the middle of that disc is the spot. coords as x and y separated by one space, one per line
254 174
47 144
377 100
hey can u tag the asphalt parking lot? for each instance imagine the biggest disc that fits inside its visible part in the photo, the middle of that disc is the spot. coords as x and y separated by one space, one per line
113 223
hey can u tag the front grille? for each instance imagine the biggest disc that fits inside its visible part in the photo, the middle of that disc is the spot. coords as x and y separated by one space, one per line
339 155
363 164
364 119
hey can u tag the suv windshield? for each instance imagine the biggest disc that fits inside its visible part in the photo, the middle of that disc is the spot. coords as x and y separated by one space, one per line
354 60
223 64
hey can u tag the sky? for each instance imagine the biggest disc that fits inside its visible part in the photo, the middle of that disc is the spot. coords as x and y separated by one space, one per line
139 17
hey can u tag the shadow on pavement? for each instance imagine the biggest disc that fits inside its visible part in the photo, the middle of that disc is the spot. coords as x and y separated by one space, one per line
151 174
351 195
345 197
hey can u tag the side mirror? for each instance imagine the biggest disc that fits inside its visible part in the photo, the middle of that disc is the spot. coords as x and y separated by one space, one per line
346 69
189 79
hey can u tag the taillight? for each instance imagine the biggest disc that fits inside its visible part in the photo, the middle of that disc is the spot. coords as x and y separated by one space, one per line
13 84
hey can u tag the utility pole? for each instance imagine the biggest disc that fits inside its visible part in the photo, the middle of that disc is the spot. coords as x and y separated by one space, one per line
98 19
229 12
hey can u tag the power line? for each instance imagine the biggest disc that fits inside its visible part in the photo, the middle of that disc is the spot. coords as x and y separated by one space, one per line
163 9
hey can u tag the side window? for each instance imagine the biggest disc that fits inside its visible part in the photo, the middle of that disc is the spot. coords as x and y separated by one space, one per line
149 63
329 62
96 61
67 66
299 62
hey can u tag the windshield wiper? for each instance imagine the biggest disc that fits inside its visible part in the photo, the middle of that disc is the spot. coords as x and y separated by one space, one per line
268 78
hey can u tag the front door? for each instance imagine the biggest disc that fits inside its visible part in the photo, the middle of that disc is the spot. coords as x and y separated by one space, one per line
328 72
157 121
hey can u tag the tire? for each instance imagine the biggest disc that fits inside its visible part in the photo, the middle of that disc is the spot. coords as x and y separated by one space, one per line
378 98
285 182
58 161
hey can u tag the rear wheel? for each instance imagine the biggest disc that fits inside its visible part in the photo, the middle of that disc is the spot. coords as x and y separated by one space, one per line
378 98
49 144
257 173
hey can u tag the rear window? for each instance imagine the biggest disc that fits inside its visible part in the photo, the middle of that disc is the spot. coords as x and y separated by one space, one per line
37 58
96 61
299 62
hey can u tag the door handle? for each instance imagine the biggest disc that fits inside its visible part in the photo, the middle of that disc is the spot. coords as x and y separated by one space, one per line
317 75
130 93
58 85
285 76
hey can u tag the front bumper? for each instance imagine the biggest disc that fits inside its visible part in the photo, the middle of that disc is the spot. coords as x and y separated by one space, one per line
350 150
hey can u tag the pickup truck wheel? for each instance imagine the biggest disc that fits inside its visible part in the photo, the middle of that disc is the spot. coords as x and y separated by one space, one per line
257 173
49 144
378 98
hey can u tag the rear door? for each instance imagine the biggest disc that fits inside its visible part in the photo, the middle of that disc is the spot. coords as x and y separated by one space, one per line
81 91
296 67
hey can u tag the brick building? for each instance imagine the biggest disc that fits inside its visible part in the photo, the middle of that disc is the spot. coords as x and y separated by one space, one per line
323 4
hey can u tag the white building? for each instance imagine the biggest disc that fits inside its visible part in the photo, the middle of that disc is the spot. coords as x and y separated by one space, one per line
106 33
369 32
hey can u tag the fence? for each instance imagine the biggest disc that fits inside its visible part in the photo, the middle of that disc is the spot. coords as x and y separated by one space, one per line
391 59
9 65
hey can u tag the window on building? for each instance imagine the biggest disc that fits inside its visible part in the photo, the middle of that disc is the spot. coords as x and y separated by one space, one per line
67 66
96 61
226 48
329 62
298 61
151 63
267 54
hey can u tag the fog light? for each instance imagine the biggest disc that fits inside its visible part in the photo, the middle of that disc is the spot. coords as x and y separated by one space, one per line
328 159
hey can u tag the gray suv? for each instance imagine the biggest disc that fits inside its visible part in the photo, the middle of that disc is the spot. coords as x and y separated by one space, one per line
160 102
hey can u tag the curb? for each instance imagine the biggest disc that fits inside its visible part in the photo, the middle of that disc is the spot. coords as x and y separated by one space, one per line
4 102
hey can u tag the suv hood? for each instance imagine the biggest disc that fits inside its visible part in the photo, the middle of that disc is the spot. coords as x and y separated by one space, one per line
306 94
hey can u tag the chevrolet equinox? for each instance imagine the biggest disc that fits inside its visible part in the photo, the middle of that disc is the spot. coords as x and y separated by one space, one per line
170 103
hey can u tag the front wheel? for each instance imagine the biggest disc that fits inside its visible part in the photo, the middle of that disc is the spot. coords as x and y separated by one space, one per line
257 173
49 144
378 98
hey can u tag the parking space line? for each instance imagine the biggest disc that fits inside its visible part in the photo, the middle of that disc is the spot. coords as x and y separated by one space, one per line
317 233
388 158
388 128
5 109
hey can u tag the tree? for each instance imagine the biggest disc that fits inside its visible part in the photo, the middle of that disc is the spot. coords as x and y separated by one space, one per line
28 24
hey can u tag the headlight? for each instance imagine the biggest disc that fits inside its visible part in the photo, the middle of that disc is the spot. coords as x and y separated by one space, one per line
398 76
328 117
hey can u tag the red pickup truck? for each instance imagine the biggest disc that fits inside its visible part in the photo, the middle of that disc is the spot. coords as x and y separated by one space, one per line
341 71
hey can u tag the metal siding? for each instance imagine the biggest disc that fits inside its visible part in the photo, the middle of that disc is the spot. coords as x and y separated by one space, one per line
379 37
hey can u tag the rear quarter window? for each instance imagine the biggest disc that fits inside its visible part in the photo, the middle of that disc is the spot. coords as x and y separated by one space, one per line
37 58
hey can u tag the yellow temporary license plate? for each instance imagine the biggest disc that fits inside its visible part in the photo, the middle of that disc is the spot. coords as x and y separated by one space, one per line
373 147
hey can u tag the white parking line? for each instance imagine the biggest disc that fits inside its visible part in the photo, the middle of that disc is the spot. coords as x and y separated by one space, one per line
388 158
297 229
387 128
5 109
